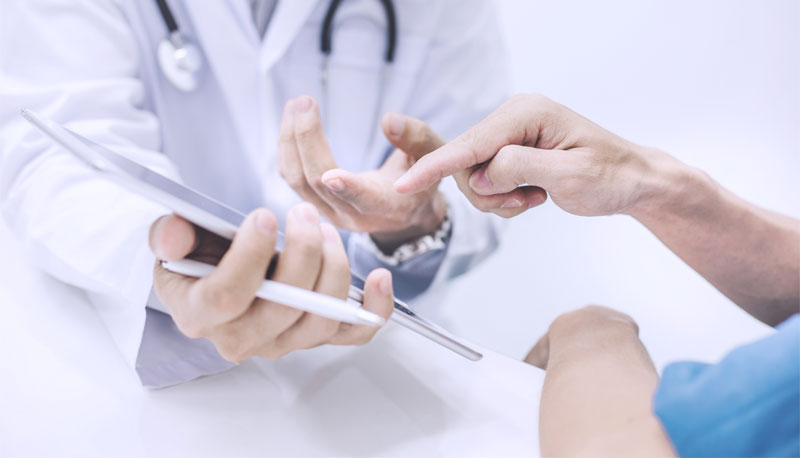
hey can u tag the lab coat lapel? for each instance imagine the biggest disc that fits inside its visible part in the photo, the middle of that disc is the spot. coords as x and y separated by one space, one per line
286 23
232 57
289 17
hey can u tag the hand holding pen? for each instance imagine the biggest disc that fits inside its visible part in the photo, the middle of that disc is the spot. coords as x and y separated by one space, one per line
223 306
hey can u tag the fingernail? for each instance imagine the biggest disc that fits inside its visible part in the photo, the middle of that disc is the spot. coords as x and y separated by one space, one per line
266 223
397 124
308 213
335 184
386 284
480 180
302 104
512 203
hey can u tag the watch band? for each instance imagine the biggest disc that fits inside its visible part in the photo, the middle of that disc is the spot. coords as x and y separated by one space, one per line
428 242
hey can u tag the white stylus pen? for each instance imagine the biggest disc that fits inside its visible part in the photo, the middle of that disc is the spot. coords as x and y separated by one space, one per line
291 296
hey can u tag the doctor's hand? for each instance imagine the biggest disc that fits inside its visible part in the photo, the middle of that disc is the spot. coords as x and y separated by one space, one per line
361 202
223 307
532 145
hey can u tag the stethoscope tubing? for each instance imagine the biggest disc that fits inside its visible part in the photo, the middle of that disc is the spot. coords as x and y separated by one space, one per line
180 51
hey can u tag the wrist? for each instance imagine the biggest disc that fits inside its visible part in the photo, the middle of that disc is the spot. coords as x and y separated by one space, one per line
664 185
427 219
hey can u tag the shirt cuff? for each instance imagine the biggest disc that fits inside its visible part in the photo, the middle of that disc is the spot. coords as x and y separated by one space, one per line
411 277
167 357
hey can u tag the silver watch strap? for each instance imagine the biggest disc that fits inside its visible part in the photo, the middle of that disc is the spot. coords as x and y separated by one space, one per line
429 242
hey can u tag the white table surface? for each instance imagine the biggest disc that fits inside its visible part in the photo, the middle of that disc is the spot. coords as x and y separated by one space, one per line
66 391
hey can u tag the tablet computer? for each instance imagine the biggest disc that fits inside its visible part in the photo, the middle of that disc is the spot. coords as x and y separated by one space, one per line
211 215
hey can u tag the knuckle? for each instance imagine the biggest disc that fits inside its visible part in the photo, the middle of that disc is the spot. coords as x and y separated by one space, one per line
222 298
306 128
314 179
362 338
293 178
328 329
272 352
537 98
232 350
188 327
304 246
520 98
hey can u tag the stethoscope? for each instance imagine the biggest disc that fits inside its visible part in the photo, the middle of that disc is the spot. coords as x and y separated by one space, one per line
181 61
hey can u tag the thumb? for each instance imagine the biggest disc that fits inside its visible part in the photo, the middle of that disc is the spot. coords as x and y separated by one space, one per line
359 191
540 353
172 238
412 136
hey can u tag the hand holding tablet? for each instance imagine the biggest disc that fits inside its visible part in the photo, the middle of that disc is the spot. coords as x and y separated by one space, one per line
225 223
219 292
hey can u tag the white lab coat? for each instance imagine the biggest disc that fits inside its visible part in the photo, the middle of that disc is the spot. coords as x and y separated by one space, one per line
91 65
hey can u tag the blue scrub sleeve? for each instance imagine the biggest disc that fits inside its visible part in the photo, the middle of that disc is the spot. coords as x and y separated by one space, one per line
746 405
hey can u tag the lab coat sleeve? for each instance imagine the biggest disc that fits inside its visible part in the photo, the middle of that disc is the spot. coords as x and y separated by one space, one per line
76 63
462 80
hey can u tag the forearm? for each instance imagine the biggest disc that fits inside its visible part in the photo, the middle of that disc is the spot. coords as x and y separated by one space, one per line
750 254
596 399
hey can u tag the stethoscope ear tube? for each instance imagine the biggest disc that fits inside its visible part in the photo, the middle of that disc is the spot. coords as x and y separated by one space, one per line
166 14
326 47
326 38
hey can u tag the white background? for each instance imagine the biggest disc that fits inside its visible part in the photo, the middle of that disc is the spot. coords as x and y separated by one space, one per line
716 83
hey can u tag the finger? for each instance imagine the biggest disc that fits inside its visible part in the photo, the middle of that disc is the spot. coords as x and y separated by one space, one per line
507 204
334 280
412 136
518 201
298 265
290 164
229 291
515 122
515 165
361 192
379 299
301 259
171 288
540 353
334 276
312 146
172 238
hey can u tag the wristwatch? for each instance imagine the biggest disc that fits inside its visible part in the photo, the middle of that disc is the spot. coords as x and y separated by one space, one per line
428 242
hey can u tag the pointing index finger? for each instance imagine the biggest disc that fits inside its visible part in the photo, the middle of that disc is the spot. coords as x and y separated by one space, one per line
475 146
428 170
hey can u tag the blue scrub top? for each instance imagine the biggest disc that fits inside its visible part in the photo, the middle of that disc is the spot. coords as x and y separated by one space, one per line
747 405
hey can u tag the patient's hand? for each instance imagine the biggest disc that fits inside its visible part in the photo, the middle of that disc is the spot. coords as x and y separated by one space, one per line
531 143
598 389
223 308
587 324
360 202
